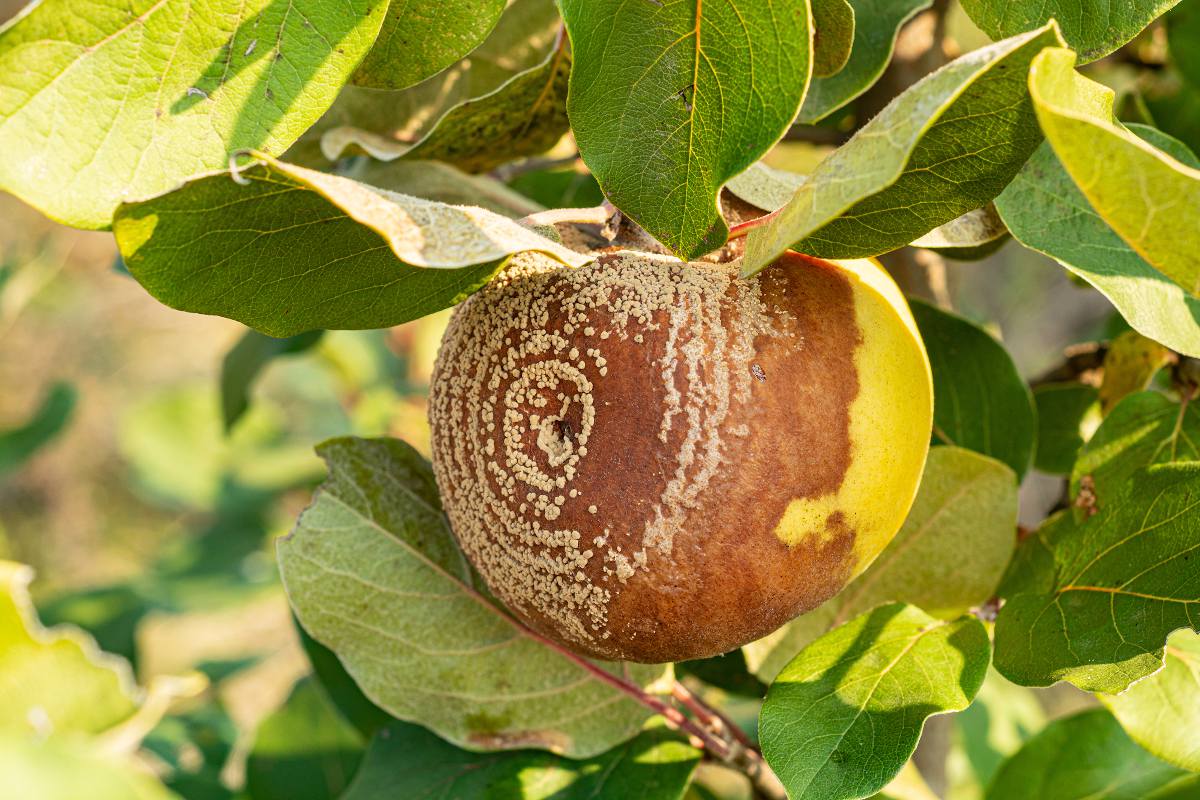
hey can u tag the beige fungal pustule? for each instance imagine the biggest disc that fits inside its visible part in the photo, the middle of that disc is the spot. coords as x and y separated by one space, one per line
651 460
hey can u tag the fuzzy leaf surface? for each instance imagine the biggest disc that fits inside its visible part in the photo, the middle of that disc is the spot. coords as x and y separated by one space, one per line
1094 28
420 38
102 103
949 555
1148 197
296 250
669 100
980 400
845 714
948 145
1160 712
1048 213
1092 601
972 236
1088 757
373 573
877 23
407 761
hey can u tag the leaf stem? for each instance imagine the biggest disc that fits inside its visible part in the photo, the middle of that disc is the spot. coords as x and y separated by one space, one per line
743 228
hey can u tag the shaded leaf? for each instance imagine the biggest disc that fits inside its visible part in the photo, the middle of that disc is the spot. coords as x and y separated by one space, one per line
727 672
246 359
981 402
1183 40
523 117
669 101
1150 199
560 188
1000 720
949 555
1130 364
1092 602
190 83
948 145
373 573
1047 212
972 236
1066 414
1160 712
366 717
1094 28
524 36
877 23
304 750
833 36
420 38
206 731
434 180
845 714
1145 428
18 444
294 250
407 761
1089 757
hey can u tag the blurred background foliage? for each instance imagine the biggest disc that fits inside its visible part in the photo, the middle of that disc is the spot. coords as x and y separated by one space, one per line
148 458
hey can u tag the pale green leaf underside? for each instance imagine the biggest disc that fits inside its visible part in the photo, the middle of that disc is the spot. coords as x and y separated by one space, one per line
1150 199
1089 757
948 556
405 761
374 574
70 770
946 146
1094 28
669 100
1145 428
1092 602
1048 213
844 716
1161 712
104 102
54 681
525 116
974 231
765 187
296 249
877 23
420 38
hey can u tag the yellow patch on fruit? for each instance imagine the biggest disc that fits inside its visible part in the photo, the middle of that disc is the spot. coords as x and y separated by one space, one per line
890 423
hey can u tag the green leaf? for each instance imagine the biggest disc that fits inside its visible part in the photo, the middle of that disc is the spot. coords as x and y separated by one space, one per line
948 145
1066 414
1183 40
1160 712
1092 602
1048 213
1094 28
523 117
1001 719
980 400
1143 429
1089 757
765 187
105 103
374 574
846 713
246 359
18 444
972 236
1150 199
525 35
366 717
420 38
294 250
833 36
877 23
669 101
304 750
1130 364
949 555
54 681
728 672
434 180
69 770
410 762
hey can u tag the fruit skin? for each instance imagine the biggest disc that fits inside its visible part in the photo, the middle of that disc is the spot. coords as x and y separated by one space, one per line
733 452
